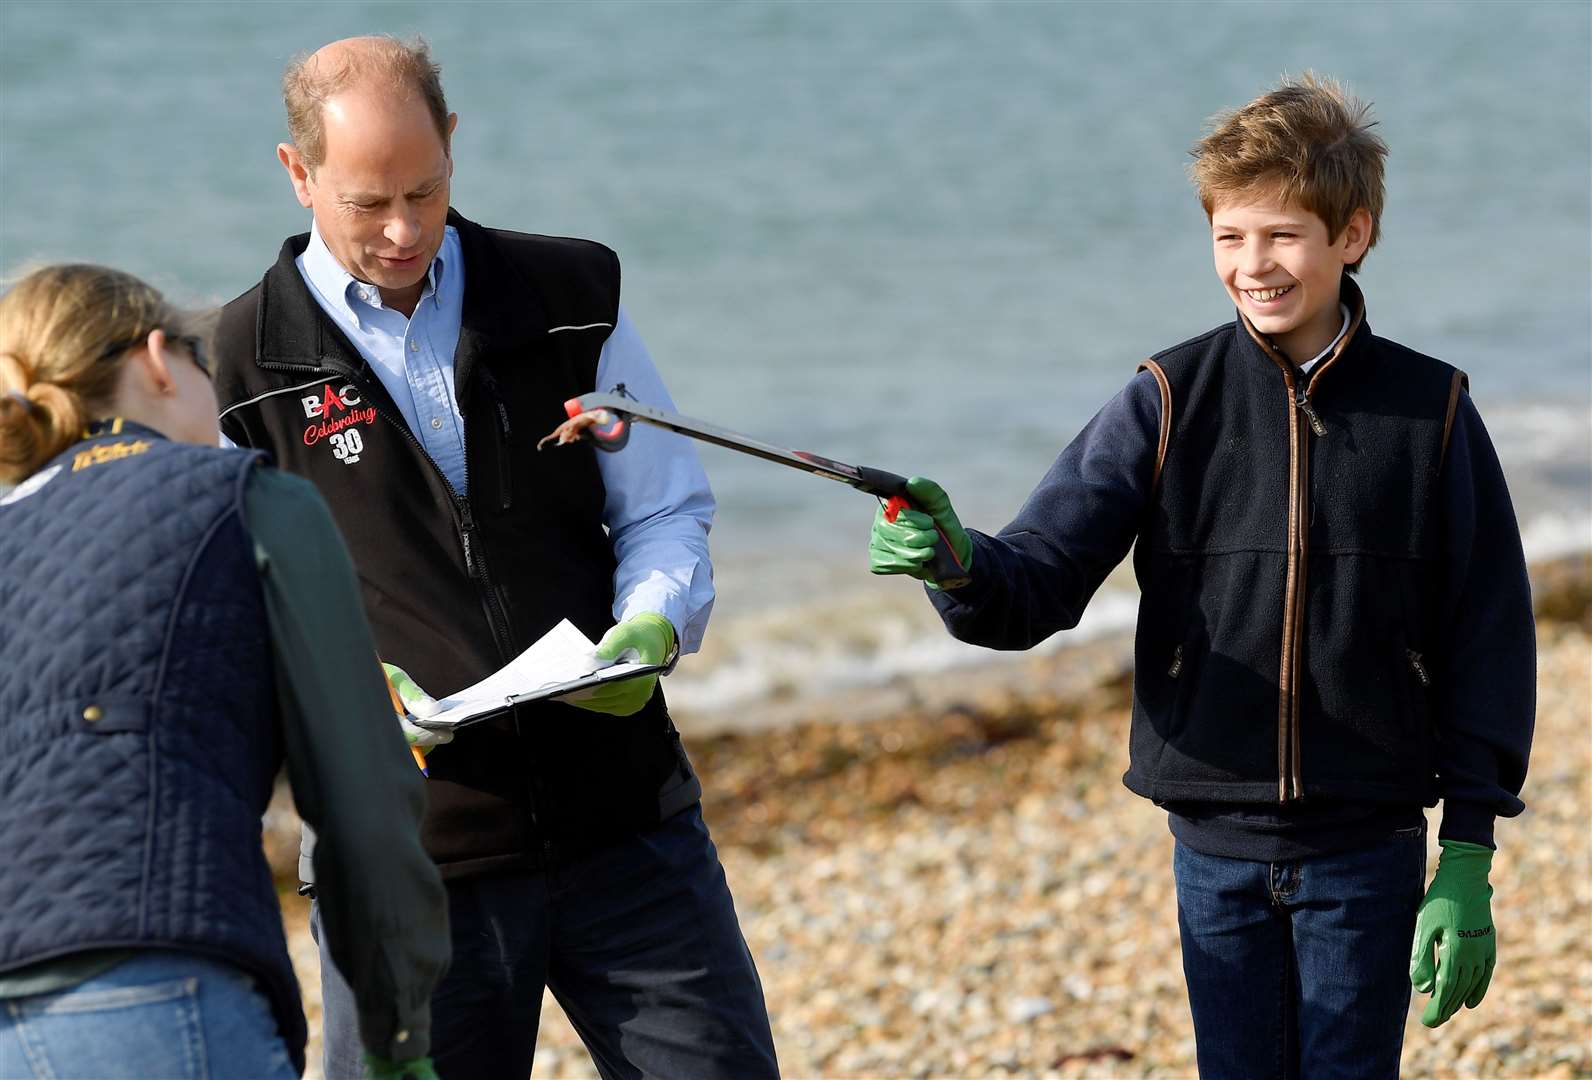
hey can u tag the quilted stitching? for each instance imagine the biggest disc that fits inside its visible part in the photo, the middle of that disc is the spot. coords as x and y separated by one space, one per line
151 833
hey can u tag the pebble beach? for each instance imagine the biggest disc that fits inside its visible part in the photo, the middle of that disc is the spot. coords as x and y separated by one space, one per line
946 878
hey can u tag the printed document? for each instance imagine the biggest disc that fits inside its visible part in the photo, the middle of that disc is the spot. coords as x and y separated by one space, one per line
562 664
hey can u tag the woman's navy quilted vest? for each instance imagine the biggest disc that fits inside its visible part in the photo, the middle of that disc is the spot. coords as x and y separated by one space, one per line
138 739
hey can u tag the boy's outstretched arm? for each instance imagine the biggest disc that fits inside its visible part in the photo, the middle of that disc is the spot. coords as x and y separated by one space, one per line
1037 574
1486 708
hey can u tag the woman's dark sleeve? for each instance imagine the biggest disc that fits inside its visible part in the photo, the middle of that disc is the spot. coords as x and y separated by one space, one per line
381 899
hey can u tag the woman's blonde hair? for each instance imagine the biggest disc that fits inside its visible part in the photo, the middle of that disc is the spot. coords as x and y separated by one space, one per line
64 331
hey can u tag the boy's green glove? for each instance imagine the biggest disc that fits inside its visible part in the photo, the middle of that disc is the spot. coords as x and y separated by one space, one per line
414 1069
650 638
906 545
1456 917
418 703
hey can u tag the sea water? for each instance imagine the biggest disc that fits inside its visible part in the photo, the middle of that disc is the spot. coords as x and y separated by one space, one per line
928 237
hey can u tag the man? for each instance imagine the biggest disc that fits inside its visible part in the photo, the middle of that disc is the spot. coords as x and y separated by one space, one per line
406 360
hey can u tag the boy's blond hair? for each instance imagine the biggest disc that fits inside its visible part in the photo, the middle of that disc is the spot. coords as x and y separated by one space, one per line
1308 142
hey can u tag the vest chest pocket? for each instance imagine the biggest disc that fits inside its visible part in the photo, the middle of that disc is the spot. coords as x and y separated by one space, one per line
1413 676
1167 651
1183 671
1422 691
502 436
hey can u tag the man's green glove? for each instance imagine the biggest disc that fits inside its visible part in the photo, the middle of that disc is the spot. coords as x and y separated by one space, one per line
649 637
906 545
1456 917
414 1069
418 703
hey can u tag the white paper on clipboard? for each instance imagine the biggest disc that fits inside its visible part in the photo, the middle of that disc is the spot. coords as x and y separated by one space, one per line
562 663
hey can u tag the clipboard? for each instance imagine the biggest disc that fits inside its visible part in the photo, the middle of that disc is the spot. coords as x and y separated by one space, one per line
616 673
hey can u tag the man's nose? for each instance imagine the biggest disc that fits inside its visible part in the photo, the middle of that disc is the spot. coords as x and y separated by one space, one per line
402 230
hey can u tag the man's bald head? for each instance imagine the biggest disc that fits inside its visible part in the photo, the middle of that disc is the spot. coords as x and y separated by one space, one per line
381 63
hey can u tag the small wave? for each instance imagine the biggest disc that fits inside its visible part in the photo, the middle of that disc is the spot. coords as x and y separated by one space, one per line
864 637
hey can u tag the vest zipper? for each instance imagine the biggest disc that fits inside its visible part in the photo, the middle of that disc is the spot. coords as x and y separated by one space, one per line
1418 667
475 566
1177 663
1290 781
1290 773
1290 785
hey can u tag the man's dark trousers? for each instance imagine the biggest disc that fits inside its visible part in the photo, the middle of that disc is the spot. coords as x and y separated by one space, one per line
639 943
1300 969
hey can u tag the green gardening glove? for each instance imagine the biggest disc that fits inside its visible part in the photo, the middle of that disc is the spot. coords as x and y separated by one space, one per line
417 703
906 545
414 1069
1456 917
649 637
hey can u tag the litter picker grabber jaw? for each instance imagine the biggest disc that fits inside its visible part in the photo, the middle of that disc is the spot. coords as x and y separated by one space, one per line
612 432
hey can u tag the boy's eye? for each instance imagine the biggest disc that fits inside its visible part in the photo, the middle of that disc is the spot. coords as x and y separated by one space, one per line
1288 235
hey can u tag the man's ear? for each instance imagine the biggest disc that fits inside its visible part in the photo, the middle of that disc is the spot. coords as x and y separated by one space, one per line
1356 236
453 122
289 156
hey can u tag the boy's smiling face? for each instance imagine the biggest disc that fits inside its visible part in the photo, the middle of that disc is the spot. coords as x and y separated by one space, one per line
1283 271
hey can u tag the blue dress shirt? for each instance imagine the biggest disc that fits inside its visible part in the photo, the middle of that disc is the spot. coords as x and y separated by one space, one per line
659 506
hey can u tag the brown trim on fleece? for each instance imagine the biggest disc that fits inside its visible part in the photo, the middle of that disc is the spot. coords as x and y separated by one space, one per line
1355 320
1461 381
1286 667
1166 417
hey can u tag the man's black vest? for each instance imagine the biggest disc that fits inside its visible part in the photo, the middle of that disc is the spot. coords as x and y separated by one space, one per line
456 585
141 739
1287 572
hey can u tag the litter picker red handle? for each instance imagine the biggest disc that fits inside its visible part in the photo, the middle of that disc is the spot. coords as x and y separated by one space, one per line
608 437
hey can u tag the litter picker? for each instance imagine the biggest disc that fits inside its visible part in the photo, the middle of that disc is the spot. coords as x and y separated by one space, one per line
613 431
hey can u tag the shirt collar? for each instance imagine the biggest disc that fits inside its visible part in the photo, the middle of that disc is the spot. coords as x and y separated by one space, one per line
342 288
1344 329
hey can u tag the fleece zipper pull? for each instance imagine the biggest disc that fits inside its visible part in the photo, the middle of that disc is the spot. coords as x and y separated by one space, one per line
1302 402
1418 667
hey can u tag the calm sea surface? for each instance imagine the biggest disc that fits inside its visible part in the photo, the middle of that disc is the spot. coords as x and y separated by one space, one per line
930 237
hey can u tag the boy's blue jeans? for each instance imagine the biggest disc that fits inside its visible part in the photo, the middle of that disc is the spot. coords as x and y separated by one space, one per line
1300 969
163 1013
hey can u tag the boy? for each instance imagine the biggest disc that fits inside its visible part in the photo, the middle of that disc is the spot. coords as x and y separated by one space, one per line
1335 626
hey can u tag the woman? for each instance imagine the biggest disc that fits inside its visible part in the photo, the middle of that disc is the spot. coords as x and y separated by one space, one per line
175 620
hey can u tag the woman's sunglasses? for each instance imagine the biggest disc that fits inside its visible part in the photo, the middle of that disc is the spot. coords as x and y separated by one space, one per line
194 346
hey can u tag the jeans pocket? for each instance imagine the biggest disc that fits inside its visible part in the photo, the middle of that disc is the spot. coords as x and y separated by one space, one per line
119 1031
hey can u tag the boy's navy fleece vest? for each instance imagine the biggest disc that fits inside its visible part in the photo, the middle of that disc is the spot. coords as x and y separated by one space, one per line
456 585
1287 572
141 738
